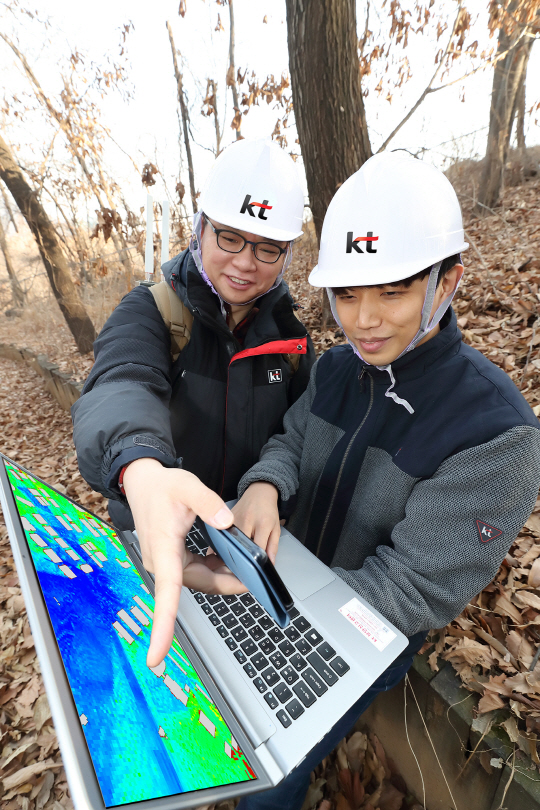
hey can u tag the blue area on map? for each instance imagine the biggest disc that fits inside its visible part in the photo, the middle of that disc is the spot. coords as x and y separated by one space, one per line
145 741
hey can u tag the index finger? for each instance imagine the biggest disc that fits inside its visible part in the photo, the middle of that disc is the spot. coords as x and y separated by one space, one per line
168 558
168 569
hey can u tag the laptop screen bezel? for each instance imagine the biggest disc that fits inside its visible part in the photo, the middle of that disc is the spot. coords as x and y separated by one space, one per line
81 775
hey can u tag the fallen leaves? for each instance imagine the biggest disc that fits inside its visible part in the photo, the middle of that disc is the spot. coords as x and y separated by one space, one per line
24 774
505 619
357 775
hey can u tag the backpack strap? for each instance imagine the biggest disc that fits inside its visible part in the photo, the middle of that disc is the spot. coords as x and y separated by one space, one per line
177 317
294 360
179 320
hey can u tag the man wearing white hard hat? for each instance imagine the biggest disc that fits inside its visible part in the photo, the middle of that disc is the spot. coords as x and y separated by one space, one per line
413 461
144 413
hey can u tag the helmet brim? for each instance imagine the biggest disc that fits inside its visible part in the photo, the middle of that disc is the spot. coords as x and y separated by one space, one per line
383 275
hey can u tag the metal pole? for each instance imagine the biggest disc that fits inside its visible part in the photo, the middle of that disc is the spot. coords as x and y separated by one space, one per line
164 232
149 251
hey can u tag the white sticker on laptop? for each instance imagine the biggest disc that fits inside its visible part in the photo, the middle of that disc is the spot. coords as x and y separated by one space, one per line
369 625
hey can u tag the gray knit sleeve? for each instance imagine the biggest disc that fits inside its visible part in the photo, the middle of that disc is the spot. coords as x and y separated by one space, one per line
280 457
457 529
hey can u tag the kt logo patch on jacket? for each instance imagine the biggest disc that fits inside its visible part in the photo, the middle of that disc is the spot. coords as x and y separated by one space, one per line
275 375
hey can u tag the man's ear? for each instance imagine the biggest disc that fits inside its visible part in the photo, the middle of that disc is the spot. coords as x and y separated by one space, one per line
451 280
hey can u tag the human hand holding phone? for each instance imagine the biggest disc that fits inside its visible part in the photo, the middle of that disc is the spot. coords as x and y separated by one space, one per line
256 514
252 566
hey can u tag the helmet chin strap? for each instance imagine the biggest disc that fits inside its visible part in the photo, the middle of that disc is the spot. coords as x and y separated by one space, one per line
427 324
195 248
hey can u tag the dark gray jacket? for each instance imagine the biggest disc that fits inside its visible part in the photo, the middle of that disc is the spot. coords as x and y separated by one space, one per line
415 511
215 406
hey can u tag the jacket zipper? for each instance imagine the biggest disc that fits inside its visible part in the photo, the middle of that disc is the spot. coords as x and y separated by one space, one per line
344 459
225 434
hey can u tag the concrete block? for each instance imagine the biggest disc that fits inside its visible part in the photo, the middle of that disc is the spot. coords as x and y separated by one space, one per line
445 716
523 791
421 665
59 385
460 701
10 352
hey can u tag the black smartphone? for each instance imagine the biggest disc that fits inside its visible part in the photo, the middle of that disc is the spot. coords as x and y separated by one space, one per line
253 568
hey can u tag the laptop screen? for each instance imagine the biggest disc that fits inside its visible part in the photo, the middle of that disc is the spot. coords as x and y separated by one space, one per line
150 733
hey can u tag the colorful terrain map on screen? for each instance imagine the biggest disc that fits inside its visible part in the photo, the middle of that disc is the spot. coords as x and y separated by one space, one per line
151 733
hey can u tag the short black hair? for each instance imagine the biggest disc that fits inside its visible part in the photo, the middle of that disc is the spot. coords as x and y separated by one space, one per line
446 266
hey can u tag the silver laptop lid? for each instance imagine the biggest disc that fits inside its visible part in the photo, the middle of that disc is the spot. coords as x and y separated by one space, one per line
127 733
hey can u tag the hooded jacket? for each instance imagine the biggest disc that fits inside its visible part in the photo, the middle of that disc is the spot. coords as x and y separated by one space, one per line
211 410
415 511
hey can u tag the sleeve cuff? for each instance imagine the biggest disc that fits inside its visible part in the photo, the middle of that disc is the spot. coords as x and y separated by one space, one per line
129 454
254 477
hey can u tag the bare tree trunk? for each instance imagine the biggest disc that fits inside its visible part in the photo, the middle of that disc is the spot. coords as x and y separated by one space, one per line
185 120
327 97
118 239
509 75
49 247
527 164
231 77
520 116
16 289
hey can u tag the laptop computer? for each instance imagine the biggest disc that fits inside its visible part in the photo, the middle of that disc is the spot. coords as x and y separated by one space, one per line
237 702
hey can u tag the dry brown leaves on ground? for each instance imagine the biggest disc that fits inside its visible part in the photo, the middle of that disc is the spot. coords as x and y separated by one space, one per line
358 776
494 644
51 338
37 434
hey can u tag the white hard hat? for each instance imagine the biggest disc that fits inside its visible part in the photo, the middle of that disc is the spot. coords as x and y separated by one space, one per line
254 186
391 219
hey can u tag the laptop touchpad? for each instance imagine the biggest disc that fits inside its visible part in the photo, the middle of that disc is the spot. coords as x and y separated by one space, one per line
302 573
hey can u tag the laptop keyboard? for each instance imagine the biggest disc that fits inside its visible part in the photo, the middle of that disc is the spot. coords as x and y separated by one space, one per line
291 667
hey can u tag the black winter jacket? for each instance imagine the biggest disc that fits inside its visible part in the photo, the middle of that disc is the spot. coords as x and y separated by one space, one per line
214 407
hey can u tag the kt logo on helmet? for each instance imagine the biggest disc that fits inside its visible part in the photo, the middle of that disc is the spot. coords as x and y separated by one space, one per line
352 244
248 206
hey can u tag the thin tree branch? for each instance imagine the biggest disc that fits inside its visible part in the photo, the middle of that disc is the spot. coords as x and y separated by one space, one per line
213 85
428 88
117 237
231 70
490 63
185 118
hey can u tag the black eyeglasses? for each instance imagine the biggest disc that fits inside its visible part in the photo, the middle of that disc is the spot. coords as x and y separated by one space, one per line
232 242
